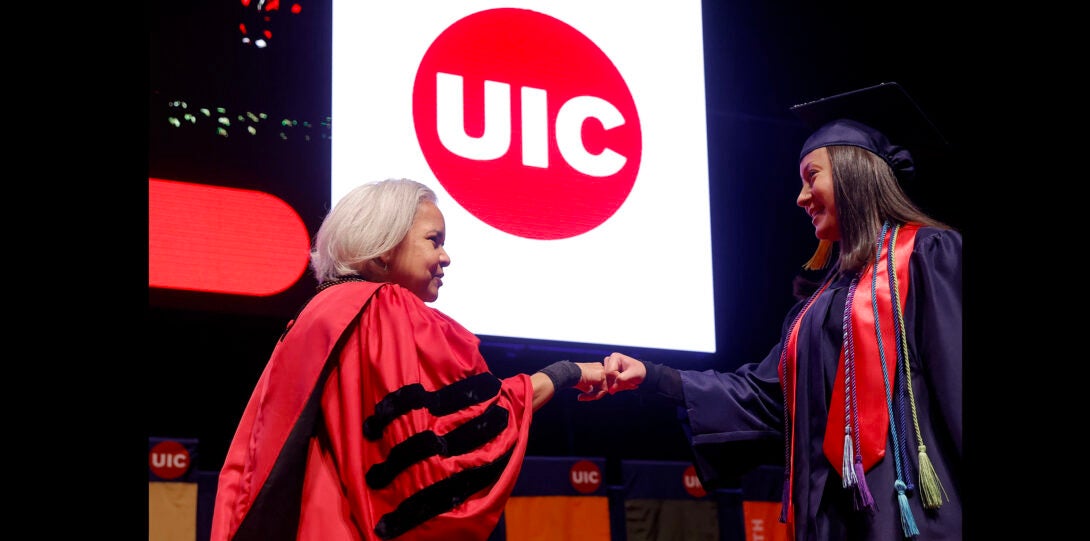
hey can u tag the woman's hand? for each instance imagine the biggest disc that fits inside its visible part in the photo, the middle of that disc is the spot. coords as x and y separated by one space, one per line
592 381
623 373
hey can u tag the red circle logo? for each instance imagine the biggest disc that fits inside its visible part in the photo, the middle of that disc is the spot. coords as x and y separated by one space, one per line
692 483
169 460
527 123
585 476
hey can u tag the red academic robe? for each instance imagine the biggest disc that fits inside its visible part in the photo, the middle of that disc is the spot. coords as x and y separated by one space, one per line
376 417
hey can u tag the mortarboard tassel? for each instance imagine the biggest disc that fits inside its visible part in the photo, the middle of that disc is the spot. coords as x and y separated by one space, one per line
929 482
821 256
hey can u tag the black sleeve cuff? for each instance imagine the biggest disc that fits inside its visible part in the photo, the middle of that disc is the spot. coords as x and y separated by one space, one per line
563 373
663 380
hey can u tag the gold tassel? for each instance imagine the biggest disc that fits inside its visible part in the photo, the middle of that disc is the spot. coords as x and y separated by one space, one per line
821 255
929 482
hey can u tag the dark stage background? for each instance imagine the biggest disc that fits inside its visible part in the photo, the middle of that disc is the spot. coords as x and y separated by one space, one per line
206 351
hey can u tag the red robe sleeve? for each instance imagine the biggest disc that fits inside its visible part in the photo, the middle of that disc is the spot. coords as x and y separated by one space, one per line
382 424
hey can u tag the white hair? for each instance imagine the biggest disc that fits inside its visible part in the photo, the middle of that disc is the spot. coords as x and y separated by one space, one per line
368 221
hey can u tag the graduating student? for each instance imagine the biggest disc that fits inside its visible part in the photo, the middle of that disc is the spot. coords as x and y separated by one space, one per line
864 387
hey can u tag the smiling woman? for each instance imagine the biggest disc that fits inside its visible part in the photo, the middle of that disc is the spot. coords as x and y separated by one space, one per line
884 327
377 415
816 195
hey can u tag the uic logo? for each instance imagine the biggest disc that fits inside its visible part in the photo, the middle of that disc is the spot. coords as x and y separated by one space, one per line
692 483
495 141
169 460
585 476
527 123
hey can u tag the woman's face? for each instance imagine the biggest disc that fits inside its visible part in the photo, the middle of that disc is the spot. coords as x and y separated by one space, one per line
816 195
417 262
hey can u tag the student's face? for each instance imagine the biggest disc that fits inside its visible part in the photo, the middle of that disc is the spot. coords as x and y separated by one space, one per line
816 195
417 262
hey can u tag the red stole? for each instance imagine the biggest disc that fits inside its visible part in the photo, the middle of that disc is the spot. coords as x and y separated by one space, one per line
870 387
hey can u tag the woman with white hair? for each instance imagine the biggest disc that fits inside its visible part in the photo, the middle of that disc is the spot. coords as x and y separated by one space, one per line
376 416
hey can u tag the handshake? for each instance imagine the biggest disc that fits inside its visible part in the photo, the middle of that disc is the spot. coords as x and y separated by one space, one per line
617 372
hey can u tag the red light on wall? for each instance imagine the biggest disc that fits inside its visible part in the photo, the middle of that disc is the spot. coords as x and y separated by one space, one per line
223 240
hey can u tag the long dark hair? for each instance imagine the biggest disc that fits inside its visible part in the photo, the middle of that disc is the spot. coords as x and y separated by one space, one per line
867 193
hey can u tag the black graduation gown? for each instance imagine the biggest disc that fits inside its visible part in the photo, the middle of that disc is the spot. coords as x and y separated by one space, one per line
722 409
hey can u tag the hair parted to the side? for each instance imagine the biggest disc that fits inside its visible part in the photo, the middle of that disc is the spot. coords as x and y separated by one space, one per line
867 193
366 223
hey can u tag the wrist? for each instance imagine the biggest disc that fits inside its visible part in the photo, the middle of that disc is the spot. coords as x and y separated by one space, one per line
563 374
653 373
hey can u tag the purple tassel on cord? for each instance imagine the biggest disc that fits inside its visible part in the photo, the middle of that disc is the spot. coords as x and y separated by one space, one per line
862 498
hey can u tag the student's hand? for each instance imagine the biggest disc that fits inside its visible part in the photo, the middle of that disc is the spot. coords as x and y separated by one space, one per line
592 382
623 373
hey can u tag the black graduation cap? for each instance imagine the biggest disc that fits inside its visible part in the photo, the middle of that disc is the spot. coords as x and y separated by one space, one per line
882 118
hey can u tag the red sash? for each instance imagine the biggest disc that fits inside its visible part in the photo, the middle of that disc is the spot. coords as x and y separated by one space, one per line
870 388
